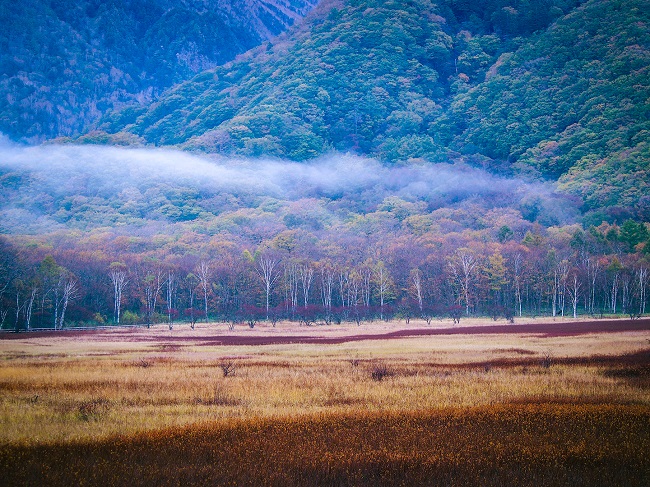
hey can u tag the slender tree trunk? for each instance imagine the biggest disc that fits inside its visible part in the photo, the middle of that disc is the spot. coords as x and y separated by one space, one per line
306 277
555 293
642 275
614 293
625 298
343 287
28 311
266 268
366 275
416 278
517 268
327 282
203 271
171 293
69 292
118 277
19 308
56 308
575 292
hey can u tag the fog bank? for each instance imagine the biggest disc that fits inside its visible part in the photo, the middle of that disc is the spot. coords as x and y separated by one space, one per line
104 172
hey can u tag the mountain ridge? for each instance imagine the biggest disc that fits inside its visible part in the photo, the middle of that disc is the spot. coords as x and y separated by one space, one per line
430 81
66 62
545 89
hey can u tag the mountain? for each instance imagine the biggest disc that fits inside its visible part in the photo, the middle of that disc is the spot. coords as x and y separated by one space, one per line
553 89
371 76
549 89
64 63
572 103
452 154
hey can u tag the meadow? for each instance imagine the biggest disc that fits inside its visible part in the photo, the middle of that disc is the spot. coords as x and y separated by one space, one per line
321 405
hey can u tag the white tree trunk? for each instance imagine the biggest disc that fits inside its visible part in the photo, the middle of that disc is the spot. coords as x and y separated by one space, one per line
306 277
119 280
203 272
69 292
266 268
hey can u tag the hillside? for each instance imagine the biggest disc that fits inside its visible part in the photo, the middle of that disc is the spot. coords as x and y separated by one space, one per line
425 158
370 76
64 63
544 88
572 103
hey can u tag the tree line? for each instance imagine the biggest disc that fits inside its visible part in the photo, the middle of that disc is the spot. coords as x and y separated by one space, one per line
562 271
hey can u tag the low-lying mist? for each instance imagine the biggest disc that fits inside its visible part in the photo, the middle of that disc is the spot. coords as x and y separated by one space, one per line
40 183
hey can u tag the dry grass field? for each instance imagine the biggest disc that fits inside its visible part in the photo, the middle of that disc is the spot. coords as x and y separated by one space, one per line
563 404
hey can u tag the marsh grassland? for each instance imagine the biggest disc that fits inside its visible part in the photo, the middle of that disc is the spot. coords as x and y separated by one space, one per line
193 407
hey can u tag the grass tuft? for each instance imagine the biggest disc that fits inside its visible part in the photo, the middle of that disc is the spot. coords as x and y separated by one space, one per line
380 372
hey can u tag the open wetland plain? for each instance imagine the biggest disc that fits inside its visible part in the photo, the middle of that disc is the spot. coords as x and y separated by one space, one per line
540 402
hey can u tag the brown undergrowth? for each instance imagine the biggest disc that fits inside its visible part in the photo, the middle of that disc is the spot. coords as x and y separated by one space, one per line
458 410
548 444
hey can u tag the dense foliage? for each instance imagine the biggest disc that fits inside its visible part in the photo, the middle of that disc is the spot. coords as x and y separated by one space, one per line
372 76
63 63
571 103
301 242
547 88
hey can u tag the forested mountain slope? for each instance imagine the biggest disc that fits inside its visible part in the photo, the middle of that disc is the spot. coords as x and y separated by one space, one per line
552 87
63 63
369 75
408 126
572 103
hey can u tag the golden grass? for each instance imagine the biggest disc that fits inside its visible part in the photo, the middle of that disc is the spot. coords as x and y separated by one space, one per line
116 394
58 388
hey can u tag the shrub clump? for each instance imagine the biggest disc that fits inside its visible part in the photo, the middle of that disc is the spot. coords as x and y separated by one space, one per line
379 372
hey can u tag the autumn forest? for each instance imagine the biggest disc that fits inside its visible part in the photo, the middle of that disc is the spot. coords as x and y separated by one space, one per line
319 256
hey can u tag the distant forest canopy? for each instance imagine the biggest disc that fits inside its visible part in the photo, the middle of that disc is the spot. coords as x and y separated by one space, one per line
550 89
556 89
357 272
341 239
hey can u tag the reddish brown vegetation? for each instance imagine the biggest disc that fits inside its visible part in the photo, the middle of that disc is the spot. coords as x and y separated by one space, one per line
543 329
556 444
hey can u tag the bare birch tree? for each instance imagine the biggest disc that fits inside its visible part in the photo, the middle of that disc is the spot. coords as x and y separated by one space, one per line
171 295
267 270
153 283
416 280
464 265
353 285
191 282
69 291
383 280
203 274
574 292
344 279
291 286
626 285
593 269
18 285
327 285
560 275
642 284
118 274
306 278
366 279
29 307
517 262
